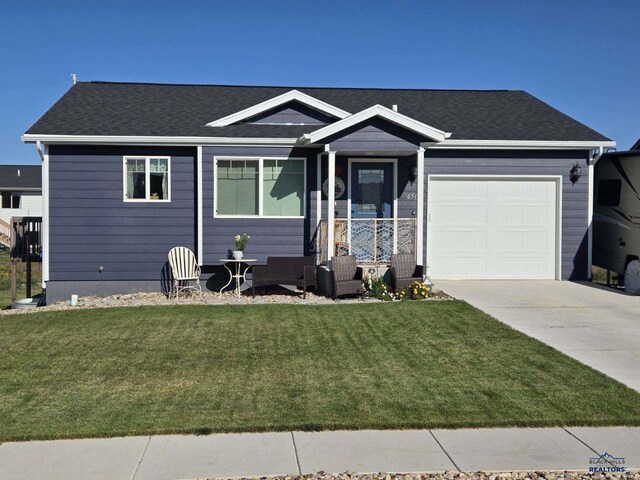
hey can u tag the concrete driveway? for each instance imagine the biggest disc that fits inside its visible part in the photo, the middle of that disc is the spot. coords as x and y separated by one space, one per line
595 325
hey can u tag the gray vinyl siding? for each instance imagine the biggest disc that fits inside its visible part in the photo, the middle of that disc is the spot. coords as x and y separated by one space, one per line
91 225
269 236
407 191
292 113
575 197
375 135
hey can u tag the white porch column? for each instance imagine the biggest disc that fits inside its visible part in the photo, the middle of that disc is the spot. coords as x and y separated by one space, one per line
318 189
331 204
420 208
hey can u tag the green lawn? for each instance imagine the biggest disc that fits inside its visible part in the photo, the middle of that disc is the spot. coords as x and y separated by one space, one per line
5 279
145 370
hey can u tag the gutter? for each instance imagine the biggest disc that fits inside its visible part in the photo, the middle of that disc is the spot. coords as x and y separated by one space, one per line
152 140
593 159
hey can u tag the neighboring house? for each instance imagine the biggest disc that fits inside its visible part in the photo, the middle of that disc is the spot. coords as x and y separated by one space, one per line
476 184
20 191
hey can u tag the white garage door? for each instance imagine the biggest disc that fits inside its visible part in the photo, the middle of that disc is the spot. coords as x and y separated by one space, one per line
491 228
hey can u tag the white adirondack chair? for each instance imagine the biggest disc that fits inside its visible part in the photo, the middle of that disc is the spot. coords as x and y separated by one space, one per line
185 270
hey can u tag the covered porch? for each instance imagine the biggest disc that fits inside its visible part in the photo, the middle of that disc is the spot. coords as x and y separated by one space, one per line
370 206
370 186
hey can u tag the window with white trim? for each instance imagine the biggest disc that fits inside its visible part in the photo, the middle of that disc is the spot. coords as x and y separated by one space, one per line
147 179
10 200
260 187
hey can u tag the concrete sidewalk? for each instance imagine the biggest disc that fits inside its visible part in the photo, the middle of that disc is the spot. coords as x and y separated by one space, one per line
293 453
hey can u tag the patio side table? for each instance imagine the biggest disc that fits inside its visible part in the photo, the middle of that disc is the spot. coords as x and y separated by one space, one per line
237 273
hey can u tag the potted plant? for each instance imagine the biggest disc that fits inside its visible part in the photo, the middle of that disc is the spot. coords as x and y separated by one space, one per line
241 245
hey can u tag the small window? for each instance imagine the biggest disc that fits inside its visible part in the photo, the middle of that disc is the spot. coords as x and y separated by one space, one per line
147 179
609 193
260 187
10 200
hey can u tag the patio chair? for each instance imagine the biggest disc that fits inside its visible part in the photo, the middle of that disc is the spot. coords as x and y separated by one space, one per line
404 271
184 269
347 276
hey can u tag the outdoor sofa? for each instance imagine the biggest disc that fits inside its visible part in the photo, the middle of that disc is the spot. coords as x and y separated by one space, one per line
298 271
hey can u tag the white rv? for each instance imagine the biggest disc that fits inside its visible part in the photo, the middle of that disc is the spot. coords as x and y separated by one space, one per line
616 210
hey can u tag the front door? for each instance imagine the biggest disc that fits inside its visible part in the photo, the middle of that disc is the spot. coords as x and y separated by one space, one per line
371 189
371 226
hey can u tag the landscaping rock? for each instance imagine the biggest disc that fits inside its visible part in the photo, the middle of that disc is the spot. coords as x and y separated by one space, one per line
278 295
567 475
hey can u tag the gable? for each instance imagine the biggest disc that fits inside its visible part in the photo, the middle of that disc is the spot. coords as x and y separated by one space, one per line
278 101
292 113
375 134
383 114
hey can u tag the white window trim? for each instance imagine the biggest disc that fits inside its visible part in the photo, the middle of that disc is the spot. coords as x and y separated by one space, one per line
147 172
260 161
12 195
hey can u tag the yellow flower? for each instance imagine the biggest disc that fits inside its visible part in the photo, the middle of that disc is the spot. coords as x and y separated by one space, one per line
237 237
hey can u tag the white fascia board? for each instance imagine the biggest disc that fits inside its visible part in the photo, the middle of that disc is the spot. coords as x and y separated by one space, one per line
19 189
293 95
376 111
154 140
518 144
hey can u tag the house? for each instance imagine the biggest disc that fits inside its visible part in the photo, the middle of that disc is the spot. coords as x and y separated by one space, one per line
20 191
477 184
20 195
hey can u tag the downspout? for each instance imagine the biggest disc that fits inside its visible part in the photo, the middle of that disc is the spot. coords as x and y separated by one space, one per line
594 156
44 156
40 150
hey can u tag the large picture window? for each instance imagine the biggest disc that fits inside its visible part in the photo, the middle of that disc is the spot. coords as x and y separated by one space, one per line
147 179
260 187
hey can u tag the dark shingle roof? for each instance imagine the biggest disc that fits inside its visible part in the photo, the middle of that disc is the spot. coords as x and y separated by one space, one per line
102 108
20 176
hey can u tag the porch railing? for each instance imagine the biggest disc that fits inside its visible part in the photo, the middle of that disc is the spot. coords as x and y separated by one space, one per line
26 238
371 240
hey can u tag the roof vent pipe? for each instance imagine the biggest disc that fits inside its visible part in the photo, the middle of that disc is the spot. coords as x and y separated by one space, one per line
394 107
74 78
18 172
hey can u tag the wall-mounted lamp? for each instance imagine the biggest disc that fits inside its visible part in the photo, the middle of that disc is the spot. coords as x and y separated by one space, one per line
413 174
575 173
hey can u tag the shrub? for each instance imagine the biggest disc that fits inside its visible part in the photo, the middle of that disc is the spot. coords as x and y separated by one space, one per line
377 288
415 291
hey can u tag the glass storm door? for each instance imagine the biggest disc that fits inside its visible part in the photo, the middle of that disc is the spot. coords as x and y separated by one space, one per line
370 236
371 190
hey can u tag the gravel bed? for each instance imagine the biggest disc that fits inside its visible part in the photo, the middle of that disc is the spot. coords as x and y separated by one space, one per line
278 295
454 475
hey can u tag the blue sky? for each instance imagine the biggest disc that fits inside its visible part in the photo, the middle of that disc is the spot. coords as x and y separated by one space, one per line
579 56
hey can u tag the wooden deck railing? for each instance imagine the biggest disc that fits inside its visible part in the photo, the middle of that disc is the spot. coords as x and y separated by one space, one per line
26 238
